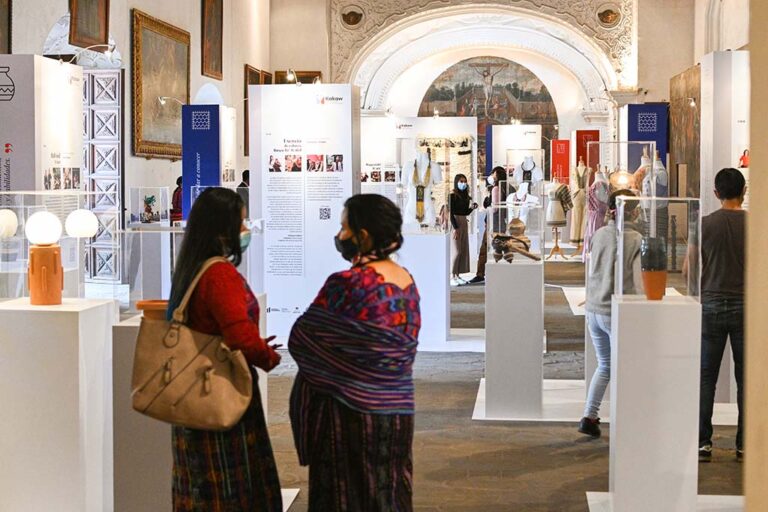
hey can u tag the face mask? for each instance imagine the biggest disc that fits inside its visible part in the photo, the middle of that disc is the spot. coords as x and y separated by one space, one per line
245 240
347 248
491 180
462 186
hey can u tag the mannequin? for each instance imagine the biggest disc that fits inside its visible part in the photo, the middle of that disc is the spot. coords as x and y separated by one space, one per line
419 176
528 172
556 210
579 181
597 206
559 204
645 166
662 180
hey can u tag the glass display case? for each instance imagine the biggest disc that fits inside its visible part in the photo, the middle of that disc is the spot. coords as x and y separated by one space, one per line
525 170
515 233
609 167
243 192
84 234
149 205
658 251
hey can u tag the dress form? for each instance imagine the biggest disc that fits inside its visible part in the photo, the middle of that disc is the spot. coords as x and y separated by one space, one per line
662 180
422 163
579 183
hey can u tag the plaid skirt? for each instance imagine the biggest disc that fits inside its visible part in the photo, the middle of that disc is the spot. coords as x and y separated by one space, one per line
230 471
360 462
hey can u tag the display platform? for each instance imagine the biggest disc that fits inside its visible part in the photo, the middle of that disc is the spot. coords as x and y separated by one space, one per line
55 429
142 446
655 374
514 334
601 502
562 402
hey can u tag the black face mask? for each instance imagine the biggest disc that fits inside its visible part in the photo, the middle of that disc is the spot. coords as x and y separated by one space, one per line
347 248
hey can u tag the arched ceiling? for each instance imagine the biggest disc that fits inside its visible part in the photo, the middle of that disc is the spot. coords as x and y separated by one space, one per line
613 50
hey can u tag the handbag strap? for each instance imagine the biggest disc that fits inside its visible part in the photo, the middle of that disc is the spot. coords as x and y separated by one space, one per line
180 313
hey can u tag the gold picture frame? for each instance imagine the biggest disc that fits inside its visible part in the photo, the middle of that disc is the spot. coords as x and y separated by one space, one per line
160 69
89 23
212 40
251 76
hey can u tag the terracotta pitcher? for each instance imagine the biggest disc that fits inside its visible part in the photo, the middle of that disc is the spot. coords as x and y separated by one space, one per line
653 263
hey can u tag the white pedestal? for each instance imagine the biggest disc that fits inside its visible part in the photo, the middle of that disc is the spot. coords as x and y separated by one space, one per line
514 326
427 258
142 446
55 386
655 359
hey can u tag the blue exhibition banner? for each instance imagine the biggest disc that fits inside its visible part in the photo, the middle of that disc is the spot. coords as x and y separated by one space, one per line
648 122
201 150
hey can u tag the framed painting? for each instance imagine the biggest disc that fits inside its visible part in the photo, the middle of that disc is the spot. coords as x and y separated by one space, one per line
160 71
266 78
5 26
252 76
88 23
304 77
212 41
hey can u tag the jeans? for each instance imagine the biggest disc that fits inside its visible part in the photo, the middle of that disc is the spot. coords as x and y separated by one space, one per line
600 330
721 318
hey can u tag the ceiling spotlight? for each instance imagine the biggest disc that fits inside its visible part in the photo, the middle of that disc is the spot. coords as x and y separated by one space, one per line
317 81
592 102
436 114
389 112
290 75
162 100
692 102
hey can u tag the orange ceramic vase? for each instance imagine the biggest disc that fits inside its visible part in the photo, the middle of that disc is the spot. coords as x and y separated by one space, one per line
153 309
46 277
655 283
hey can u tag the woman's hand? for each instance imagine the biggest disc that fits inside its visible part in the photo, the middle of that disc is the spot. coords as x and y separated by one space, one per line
274 358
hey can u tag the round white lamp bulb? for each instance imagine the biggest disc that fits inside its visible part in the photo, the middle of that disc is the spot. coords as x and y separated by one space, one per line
81 224
43 228
9 223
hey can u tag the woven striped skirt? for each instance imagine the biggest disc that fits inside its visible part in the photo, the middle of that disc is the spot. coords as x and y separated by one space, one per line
230 471
360 462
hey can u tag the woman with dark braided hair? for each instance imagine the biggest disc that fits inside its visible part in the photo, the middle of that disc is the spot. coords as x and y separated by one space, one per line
352 403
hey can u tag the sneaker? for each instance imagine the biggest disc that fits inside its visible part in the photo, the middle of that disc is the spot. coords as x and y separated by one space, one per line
476 280
590 427
739 455
705 453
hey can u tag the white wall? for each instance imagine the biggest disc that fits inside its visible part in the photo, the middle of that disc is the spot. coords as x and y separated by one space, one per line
246 40
729 22
665 43
299 36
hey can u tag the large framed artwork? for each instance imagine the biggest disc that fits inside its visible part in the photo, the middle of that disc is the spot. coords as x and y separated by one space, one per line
213 46
303 77
252 76
160 71
5 26
88 23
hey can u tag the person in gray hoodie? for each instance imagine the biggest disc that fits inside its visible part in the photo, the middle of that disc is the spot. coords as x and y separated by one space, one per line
600 288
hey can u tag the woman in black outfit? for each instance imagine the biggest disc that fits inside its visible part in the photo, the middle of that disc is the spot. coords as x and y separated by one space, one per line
461 207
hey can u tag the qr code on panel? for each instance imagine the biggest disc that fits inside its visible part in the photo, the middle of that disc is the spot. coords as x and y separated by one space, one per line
325 214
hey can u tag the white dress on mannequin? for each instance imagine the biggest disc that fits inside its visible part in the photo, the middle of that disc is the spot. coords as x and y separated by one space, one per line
555 211
528 172
420 178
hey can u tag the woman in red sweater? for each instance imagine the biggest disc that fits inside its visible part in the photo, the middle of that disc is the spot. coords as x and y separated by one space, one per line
233 470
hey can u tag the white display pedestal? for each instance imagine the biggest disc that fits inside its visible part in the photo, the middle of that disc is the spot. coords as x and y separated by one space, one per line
427 258
514 330
655 390
54 390
142 446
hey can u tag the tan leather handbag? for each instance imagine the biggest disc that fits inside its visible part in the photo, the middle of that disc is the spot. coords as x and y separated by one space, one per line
188 378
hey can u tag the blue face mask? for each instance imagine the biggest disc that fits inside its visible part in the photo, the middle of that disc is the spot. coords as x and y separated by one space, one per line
462 186
245 240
